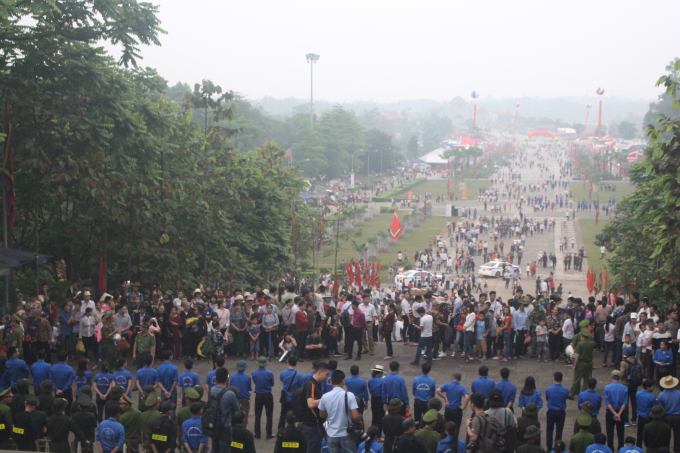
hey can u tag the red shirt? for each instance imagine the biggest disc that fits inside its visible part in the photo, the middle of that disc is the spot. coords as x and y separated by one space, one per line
301 321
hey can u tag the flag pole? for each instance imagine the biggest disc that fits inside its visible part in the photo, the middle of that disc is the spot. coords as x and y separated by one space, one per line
4 207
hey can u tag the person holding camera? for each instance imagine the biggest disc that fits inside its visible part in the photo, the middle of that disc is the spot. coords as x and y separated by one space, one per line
336 406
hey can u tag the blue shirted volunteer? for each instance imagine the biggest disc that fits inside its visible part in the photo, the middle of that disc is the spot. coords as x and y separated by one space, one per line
111 434
453 394
424 389
556 399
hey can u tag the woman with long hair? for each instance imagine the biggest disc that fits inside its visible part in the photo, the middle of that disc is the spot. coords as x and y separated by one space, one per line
609 341
83 376
371 444
529 394
103 383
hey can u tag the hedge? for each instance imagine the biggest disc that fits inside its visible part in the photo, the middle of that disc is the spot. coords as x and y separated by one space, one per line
387 196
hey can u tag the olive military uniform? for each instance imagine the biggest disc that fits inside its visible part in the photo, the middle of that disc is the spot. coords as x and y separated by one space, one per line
145 421
87 423
580 442
131 421
144 345
584 367
522 424
430 438
530 447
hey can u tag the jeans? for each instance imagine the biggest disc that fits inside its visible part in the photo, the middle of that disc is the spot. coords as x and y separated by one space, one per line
470 344
458 347
424 343
542 350
314 435
388 343
344 444
609 346
507 338
555 417
221 441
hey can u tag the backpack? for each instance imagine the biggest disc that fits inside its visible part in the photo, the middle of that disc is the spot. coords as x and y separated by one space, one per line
298 403
208 348
634 373
492 435
210 420
345 319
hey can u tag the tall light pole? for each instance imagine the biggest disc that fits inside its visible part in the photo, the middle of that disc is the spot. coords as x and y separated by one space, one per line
311 59
351 181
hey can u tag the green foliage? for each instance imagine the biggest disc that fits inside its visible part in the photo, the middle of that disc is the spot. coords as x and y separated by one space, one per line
409 185
413 148
627 129
105 164
645 237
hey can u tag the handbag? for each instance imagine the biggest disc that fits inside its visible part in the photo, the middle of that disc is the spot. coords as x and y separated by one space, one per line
122 345
284 393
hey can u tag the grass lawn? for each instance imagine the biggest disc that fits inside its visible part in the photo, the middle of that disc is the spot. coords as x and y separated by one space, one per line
408 241
622 190
588 232
438 187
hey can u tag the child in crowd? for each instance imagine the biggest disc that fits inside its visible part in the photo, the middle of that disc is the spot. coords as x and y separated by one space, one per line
288 346
254 334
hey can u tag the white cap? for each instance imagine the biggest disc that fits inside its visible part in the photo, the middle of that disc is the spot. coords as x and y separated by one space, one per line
633 316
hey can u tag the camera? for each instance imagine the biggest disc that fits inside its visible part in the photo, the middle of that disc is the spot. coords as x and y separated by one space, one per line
359 434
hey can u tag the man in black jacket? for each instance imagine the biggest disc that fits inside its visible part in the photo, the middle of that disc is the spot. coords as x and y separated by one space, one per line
290 439
408 442
242 439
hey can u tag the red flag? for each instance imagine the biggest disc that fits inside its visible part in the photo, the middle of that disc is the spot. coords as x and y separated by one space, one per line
448 184
599 287
590 194
606 279
396 229
632 288
350 272
373 274
379 267
102 273
358 276
616 296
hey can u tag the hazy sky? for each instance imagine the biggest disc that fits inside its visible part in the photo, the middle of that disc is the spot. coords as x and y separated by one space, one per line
392 50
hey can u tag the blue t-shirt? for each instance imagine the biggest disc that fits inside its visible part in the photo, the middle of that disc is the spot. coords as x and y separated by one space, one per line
192 432
252 330
454 393
631 449
598 448
210 380
167 374
243 383
188 379
82 381
103 382
481 329
374 447
122 376
445 445
482 385
147 376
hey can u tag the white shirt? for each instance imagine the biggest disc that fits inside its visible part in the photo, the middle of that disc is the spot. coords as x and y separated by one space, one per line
470 322
645 338
426 324
333 403
497 308
568 329
369 311
405 307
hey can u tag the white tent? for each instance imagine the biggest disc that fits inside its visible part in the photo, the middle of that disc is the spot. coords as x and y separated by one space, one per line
434 157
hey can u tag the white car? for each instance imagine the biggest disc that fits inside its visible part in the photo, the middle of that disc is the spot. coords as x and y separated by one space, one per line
496 268
414 275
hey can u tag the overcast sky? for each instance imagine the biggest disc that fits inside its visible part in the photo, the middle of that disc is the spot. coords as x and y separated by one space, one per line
393 50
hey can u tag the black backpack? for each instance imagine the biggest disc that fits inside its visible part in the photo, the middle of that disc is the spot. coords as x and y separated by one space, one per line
492 436
210 420
634 373
345 319
298 402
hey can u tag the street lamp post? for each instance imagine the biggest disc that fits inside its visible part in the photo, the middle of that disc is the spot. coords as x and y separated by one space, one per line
311 59
351 181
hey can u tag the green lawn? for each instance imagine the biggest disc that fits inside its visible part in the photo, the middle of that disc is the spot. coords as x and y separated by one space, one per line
408 241
622 189
438 187
588 232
